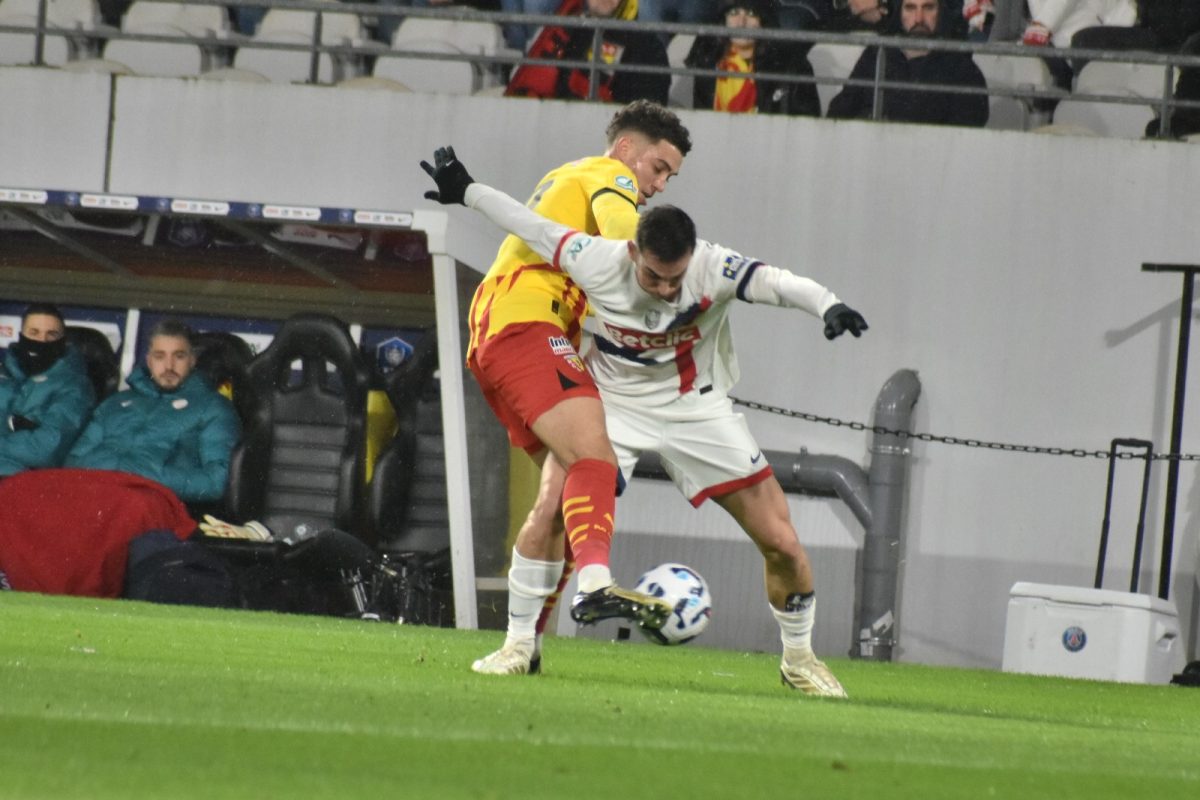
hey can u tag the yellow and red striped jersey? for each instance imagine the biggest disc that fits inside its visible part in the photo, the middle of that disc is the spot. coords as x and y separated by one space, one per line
597 195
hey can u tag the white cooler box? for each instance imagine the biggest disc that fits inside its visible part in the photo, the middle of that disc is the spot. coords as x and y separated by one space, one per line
1101 634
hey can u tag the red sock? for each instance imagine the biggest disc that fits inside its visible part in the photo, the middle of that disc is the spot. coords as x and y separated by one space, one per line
589 499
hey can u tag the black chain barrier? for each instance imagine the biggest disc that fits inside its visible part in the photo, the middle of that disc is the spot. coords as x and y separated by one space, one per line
931 437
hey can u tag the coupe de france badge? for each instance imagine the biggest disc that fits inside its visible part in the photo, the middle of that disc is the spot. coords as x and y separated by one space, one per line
626 183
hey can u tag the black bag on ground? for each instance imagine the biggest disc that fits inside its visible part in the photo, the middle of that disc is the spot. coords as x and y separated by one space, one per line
162 569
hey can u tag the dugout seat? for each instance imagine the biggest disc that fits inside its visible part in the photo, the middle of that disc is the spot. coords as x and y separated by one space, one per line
407 496
301 463
104 369
223 358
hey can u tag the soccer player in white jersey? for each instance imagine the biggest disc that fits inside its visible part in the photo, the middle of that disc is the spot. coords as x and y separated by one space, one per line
663 358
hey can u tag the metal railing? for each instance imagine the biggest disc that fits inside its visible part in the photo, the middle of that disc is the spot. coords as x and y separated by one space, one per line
353 56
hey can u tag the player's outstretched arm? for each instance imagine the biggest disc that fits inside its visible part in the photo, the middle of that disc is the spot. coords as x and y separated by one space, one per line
779 287
456 186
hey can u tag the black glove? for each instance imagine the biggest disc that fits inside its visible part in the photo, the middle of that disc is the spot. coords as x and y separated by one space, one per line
18 423
450 176
841 318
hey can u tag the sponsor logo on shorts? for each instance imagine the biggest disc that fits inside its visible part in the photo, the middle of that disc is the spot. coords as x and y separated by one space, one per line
626 183
733 265
646 340
561 346
576 362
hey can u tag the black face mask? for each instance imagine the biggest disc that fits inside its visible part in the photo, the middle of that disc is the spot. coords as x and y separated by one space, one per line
36 357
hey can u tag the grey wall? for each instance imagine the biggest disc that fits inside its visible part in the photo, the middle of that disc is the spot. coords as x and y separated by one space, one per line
1003 267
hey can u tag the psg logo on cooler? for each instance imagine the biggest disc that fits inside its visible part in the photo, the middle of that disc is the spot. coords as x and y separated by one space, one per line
1074 638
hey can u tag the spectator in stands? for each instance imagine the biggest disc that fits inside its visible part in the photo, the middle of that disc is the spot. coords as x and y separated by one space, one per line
1163 26
848 16
694 11
575 44
45 394
170 426
1055 22
917 19
750 56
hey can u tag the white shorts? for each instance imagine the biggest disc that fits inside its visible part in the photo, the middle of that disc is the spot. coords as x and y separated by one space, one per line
704 446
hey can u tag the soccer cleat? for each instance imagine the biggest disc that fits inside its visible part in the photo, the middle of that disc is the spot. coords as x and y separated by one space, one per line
512 659
613 601
805 672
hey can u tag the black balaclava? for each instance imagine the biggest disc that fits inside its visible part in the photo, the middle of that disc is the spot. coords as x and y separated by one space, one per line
34 357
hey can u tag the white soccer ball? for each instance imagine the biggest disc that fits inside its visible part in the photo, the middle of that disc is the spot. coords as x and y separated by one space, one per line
687 592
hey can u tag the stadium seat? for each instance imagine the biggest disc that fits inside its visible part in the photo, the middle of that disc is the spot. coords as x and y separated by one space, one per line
831 60
103 65
223 359
467 36
287 26
234 74
197 20
429 75
208 22
280 65
74 21
103 367
302 458
164 59
1124 120
407 495
1141 80
1013 73
680 95
374 83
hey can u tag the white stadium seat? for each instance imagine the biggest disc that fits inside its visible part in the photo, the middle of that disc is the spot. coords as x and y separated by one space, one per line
68 16
832 61
165 59
428 75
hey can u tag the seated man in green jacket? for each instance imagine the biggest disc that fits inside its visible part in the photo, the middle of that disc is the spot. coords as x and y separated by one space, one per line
45 394
170 426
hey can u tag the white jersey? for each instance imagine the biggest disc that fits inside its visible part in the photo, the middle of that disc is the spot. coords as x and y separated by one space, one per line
645 348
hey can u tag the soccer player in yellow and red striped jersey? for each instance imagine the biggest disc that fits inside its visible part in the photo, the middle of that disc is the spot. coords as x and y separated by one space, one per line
525 322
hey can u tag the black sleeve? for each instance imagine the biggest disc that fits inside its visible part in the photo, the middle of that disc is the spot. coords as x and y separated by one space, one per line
703 55
800 98
646 49
854 102
969 109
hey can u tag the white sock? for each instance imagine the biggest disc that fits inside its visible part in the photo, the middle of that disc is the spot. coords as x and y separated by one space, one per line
593 577
530 582
796 621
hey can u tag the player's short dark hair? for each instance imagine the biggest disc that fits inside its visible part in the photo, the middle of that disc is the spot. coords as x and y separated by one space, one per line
652 121
48 309
174 328
667 232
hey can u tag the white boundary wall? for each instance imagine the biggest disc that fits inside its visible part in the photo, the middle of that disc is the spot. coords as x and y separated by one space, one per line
1004 267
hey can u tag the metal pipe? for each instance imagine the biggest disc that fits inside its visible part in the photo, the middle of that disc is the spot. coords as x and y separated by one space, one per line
888 478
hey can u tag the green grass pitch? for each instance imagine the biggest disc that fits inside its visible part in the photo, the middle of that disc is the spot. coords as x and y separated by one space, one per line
113 699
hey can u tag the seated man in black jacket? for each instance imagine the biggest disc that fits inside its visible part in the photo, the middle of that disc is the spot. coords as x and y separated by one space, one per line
752 56
617 48
925 19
